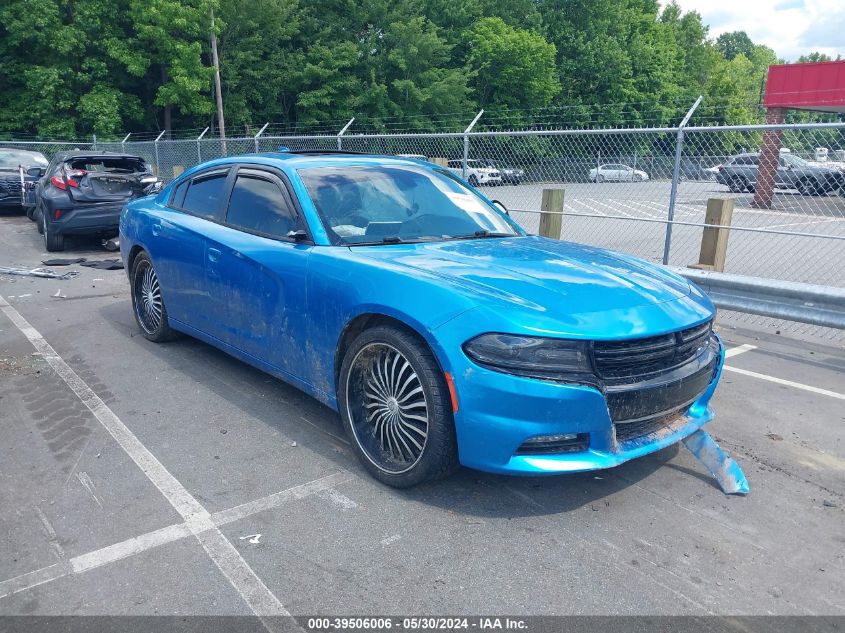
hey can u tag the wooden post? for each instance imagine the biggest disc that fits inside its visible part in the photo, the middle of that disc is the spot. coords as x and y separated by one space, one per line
437 160
714 241
177 170
551 218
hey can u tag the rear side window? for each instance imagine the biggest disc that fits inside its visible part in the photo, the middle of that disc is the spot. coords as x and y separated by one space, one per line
204 194
258 205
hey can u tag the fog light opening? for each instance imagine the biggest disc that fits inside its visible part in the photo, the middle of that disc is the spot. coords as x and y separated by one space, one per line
555 444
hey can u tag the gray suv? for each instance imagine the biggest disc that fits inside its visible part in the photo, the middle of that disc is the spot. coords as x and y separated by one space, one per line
739 174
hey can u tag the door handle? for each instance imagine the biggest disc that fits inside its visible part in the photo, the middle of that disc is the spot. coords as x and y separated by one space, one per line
213 254
156 229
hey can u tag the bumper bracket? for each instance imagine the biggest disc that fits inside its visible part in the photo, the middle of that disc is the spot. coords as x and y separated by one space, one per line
724 469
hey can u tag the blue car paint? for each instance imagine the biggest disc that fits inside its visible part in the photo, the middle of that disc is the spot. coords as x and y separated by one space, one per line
283 307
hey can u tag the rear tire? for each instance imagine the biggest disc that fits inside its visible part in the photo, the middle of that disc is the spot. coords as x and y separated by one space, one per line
599 178
39 220
396 408
473 180
30 213
148 302
53 242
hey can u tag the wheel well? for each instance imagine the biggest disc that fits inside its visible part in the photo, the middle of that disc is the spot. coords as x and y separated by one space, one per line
365 322
132 255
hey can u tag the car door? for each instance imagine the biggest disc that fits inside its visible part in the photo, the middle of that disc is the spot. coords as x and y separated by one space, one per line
257 271
178 247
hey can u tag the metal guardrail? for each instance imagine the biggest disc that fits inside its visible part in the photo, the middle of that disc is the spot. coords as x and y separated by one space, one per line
789 300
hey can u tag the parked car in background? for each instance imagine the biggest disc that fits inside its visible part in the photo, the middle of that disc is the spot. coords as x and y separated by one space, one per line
414 156
19 171
616 172
479 172
439 330
510 175
739 174
83 192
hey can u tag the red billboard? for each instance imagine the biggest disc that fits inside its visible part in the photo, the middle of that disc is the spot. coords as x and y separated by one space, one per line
815 86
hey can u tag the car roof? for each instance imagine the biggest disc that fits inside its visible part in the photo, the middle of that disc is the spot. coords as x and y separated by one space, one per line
316 158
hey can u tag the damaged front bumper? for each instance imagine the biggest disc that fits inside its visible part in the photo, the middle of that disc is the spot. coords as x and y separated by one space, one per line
500 414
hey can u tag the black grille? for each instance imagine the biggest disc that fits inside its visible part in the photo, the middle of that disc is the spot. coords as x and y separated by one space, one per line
635 358
634 430
644 400
11 186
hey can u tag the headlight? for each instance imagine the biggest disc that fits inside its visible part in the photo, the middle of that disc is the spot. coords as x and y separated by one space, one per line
530 356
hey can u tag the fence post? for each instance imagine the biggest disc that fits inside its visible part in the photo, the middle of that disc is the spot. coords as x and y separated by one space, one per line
123 142
676 176
95 142
714 241
155 143
342 132
199 151
551 213
466 143
260 132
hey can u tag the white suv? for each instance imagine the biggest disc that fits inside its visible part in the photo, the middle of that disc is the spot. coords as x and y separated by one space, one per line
479 172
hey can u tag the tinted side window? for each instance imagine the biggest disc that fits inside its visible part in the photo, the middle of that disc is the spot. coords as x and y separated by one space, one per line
258 205
178 198
203 197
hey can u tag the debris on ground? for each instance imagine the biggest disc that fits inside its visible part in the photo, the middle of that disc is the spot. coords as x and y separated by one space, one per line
62 262
37 272
724 469
104 264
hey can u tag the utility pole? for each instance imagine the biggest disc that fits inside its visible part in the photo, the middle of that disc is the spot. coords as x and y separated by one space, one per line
218 93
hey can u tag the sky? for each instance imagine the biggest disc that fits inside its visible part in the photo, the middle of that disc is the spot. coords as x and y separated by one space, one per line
790 27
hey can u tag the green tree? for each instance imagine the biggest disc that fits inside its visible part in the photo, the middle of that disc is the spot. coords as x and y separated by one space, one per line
165 52
513 68
735 43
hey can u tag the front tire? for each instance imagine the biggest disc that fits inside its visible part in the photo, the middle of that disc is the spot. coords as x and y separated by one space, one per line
473 180
147 301
396 408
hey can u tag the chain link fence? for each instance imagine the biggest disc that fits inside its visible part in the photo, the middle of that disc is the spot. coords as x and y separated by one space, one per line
638 191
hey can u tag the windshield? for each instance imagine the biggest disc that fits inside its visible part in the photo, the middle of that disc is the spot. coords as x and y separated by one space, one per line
12 160
794 161
400 203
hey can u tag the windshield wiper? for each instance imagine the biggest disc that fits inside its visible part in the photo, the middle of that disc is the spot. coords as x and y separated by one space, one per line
480 234
387 239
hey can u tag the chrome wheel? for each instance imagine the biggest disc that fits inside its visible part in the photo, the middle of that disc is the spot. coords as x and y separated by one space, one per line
387 407
147 295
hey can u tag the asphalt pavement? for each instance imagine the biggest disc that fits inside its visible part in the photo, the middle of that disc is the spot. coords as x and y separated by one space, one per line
140 479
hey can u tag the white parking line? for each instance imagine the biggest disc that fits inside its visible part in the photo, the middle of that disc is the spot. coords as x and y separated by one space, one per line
163 536
248 585
786 383
740 349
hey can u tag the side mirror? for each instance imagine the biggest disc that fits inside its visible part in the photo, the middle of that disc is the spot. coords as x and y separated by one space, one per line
297 236
35 172
501 205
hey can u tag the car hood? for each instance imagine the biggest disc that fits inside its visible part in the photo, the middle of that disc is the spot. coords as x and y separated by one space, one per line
553 277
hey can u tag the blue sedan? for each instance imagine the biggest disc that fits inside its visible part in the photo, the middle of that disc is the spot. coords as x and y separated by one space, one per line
442 333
